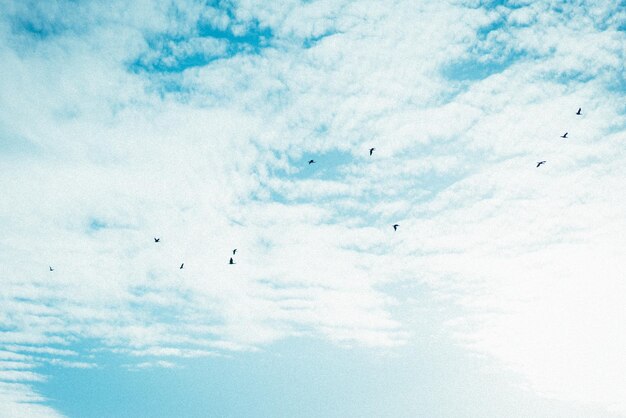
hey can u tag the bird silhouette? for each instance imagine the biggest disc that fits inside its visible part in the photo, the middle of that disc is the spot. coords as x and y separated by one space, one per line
540 162
579 110
395 227
311 162
371 151
51 269
231 261
181 266
157 239
564 135
234 251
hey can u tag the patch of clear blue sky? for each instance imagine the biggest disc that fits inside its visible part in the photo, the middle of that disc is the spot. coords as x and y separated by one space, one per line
255 37
38 26
301 378
326 167
478 66
485 60
252 41
336 165
15 146
490 4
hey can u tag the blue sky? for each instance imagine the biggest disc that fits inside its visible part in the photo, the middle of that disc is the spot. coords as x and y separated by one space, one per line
501 294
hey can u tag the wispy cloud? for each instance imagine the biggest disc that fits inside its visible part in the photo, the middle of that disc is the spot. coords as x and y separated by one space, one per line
149 365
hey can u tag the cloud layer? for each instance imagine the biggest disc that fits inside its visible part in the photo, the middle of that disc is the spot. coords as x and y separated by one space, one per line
194 124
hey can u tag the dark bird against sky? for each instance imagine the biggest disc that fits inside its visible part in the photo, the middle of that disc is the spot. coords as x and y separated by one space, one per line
234 251
579 110
395 227
181 266
540 162
51 269
157 239
311 161
231 261
372 150
564 135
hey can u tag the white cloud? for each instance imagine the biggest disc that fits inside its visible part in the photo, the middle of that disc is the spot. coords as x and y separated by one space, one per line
9 407
40 350
15 365
150 365
71 364
20 376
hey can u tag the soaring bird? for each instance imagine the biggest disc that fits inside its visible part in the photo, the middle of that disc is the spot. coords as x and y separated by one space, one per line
564 135
395 227
51 269
157 239
579 110
234 251
540 162
231 261
371 151
311 161
181 266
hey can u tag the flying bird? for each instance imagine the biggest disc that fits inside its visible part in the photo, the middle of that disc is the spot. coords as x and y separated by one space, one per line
564 135
51 269
579 110
395 227
181 266
234 251
231 261
157 239
311 162
371 151
540 162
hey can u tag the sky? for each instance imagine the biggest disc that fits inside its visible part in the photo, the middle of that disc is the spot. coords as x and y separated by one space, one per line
502 293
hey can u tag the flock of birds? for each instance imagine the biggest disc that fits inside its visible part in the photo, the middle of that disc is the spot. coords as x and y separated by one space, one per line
564 136
183 264
395 226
